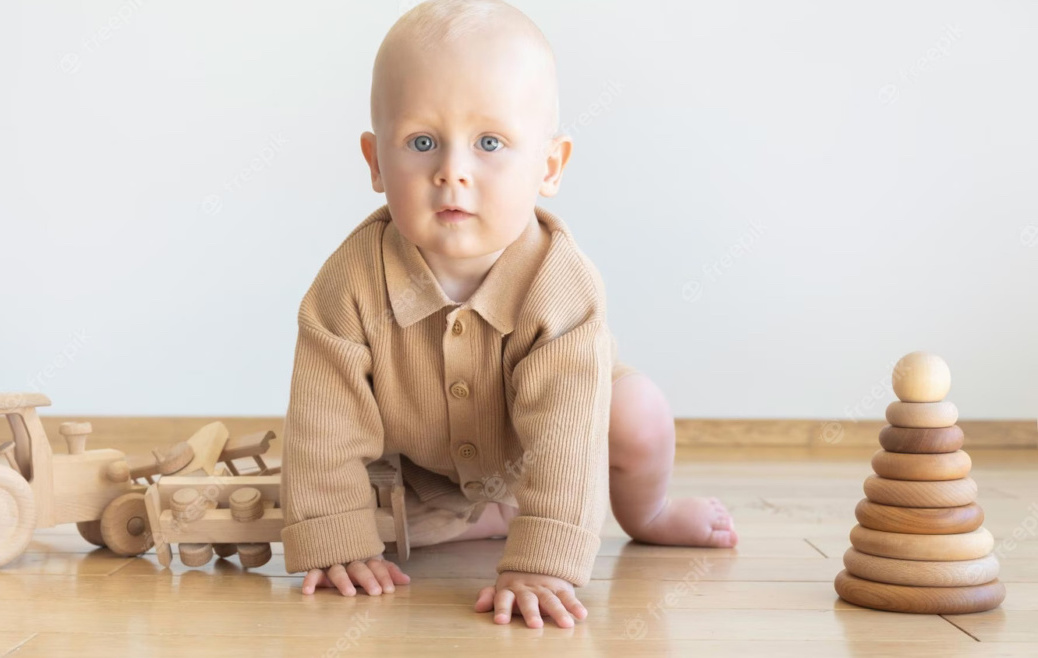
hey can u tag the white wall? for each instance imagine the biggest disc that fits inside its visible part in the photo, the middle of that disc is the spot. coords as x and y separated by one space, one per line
783 197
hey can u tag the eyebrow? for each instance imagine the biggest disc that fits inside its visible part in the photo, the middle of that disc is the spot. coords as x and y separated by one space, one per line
484 118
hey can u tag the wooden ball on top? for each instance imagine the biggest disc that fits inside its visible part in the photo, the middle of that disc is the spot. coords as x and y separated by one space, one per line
921 377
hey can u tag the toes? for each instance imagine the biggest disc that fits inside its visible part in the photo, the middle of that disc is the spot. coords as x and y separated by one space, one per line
723 523
723 539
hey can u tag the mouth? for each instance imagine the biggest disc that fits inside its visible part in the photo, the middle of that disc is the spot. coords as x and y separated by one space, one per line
453 214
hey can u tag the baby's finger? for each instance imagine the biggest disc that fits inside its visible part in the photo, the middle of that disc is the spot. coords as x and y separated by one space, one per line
485 599
399 577
503 601
381 571
553 606
362 576
337 574
530 607
312 580
569 599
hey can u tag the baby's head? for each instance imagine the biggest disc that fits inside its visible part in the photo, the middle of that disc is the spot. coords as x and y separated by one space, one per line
465 113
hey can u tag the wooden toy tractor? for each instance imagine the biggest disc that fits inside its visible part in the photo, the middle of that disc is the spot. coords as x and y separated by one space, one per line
202 501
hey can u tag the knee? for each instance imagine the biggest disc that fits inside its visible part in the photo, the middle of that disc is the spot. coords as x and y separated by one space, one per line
641 422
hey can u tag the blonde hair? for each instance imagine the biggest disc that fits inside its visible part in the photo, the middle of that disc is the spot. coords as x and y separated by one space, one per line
433 23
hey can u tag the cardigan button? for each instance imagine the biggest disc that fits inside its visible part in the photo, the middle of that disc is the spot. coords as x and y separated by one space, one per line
460 390
466 451
457 328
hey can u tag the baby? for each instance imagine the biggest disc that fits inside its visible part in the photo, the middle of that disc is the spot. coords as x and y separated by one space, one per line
460 327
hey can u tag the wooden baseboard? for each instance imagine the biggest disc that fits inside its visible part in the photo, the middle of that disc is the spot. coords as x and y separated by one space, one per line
799 433
112 431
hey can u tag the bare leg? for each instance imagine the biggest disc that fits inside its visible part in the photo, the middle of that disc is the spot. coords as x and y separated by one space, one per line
492 523
641 459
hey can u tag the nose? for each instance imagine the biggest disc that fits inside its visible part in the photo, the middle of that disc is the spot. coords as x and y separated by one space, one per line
453 168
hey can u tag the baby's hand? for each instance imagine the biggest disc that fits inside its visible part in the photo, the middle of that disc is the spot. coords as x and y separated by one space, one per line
375 575
534 593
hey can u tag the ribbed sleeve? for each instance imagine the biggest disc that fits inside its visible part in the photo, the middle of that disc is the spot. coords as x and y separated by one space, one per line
332 429
561 416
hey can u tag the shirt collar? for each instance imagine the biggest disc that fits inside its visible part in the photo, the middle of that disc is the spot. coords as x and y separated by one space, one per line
414 292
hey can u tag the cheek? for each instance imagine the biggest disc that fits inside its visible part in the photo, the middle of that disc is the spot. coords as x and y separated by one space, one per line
403 175
509 168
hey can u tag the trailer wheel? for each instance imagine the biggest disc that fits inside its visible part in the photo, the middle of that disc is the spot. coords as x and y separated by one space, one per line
225 550
91 531
17 515
124 525
254 555
195 555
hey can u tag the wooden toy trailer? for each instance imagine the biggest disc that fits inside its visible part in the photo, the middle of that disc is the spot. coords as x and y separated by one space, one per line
224 515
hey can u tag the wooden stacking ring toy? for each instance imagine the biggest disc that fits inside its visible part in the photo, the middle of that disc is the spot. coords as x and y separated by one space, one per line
921 377
921 600
195 555
901 466
919 520
904 493
904 546
921 440
922 414
919 573
254 555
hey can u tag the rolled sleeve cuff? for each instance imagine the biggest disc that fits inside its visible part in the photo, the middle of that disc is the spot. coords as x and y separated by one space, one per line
550 547
340 539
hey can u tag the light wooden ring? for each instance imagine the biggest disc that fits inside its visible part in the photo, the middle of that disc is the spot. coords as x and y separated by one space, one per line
919 520
922 600
920 573
900 466
922 414
254 555
921 440
903 546
904 493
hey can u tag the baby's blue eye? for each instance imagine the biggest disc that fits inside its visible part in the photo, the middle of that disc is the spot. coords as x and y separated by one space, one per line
423 143
489 143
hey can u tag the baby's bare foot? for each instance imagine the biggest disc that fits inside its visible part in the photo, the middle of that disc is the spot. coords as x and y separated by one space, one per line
691 522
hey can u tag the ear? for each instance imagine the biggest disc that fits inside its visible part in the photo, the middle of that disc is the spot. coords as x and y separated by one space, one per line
369 147
559 151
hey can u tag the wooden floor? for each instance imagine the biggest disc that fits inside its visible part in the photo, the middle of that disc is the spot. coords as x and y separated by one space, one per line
772 595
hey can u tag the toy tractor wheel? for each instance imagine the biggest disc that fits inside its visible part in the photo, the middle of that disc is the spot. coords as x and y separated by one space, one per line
124 525
17 515
91 531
